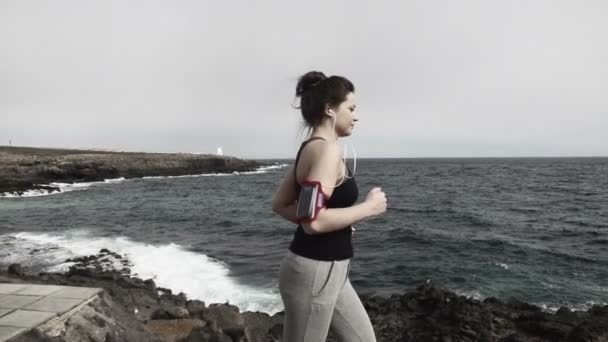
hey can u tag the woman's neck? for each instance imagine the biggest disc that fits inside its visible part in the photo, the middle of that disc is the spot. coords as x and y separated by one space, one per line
324 132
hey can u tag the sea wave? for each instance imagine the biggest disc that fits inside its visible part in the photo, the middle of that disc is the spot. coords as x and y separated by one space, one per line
259 170
60 188
170 265
547 307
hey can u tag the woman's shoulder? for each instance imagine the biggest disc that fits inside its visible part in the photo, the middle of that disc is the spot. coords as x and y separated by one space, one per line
318 155
321 150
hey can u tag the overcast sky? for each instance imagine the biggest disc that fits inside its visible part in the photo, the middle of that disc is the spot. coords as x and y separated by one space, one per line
433 78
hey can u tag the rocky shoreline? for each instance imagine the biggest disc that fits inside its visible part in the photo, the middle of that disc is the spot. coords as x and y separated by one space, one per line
132 309
25 168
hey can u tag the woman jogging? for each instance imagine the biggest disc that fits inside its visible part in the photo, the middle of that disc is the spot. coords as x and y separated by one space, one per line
319 194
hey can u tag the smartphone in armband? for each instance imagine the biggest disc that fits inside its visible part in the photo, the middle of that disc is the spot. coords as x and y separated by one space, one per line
306 205
310 201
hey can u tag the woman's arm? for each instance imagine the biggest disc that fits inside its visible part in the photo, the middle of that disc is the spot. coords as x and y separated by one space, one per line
284 201
325 167
329 220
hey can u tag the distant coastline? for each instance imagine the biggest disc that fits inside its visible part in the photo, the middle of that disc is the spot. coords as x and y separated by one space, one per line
31 168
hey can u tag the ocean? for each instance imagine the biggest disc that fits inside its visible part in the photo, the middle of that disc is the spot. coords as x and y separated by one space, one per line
535 229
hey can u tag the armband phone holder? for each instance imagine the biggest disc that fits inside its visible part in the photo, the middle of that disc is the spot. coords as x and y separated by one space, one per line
310 202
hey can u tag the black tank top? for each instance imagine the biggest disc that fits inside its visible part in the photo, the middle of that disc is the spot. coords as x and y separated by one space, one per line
335 245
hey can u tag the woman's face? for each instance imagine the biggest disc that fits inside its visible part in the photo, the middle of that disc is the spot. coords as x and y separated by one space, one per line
346 116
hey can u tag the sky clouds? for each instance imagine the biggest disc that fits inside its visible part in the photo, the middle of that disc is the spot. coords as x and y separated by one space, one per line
433 78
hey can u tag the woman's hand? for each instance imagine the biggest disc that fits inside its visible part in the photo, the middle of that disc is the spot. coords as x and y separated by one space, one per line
376 201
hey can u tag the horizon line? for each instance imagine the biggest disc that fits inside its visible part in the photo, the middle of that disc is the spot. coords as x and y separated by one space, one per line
459 157
290 158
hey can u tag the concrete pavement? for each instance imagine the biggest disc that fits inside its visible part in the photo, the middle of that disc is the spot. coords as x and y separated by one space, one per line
26 306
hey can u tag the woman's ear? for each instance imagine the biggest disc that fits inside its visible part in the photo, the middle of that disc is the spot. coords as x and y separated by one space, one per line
329 111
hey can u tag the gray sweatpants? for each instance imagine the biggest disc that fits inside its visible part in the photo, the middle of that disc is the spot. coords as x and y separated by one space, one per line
317 295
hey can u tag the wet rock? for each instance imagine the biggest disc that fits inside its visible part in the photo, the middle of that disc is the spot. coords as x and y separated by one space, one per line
15 269
150 285
131 309
276 332
164 290
195 308
240 334
175 312
223 315
173 329
208 333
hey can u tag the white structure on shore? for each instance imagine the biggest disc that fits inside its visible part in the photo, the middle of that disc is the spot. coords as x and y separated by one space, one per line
219 151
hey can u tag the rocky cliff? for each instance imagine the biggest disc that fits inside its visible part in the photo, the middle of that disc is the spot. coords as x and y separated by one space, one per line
24 168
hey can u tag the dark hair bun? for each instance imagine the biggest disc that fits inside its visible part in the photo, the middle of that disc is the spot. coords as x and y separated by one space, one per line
308 81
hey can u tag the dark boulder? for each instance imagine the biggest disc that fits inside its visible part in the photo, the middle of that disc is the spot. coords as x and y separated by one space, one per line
15 269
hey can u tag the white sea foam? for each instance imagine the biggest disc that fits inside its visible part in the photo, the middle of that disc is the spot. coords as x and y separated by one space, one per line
67 187
470 294
503 265
62 188
596 288
273 167
547 308
574 307
115 180
28 193
260 170
552 308
170 265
